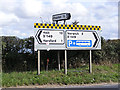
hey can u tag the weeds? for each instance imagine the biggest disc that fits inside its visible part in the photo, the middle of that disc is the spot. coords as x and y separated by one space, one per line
101 73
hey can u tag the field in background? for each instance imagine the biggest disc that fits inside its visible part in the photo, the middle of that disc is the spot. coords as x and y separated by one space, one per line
101 73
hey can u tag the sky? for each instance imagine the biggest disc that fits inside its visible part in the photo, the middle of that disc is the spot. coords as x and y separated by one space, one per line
17 17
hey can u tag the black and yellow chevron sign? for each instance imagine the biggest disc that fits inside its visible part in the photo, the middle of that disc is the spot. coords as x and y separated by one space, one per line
69 27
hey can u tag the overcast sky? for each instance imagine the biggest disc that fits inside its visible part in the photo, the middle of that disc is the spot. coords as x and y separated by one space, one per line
17 17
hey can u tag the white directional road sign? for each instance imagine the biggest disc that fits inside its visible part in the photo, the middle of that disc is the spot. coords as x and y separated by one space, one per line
49 36
46 39
83 40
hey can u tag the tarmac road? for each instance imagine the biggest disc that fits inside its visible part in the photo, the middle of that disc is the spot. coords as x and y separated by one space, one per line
70 87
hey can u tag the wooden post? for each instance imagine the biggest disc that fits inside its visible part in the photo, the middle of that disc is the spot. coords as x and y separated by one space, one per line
59 60
90 63
47 64
38 62
65 61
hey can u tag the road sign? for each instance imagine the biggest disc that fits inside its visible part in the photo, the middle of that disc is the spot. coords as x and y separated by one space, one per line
46 39
83 40
50 36
67 37
62 16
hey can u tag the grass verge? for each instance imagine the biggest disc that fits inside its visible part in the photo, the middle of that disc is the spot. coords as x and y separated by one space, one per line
101 73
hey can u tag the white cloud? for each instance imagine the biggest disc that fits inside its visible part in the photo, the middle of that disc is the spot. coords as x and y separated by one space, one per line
17 33
9 6
31 8
23 34
1 33
77 10
19 16
6 19
58 2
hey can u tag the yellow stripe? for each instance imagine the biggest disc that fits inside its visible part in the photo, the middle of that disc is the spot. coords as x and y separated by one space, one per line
55 24
59 26
47 24
36 26
77 28
88 28
73 27
43 24
53 27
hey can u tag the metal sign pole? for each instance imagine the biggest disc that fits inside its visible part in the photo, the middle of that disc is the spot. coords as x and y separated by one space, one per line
59 60
65 61
90 63
38 62
64 21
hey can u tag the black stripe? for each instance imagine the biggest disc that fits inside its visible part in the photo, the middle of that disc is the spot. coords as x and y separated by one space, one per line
39 36
96 39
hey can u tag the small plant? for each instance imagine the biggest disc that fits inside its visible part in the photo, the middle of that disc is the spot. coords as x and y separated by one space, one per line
101 73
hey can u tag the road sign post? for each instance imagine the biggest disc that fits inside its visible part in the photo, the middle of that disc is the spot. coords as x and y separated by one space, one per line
58 60
90 63
38 62
65 61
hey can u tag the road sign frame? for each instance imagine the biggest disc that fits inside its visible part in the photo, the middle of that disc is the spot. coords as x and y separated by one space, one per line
64 46
78 48
40 30
51 46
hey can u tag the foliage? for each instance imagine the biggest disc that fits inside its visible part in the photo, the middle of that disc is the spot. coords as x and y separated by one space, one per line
75 22
19 55
101 73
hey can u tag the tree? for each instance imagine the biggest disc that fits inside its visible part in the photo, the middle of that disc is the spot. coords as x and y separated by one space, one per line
75 22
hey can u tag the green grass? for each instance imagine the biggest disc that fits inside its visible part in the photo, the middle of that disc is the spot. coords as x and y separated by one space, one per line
101 73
